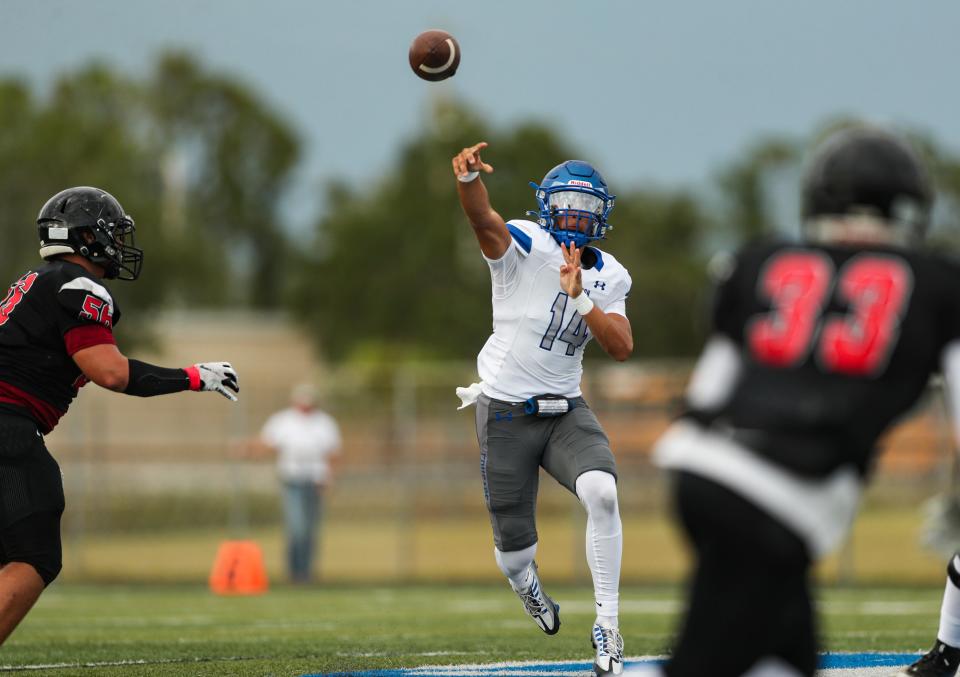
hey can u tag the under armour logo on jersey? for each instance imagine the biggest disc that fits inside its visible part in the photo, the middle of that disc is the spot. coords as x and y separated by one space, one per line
600 284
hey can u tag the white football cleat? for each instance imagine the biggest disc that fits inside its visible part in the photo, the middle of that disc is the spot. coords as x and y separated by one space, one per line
543 610
609 646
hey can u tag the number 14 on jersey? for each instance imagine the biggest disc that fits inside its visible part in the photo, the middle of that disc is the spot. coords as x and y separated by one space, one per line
575 333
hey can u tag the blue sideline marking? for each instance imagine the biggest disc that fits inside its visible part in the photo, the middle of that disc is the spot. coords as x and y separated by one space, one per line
828 660
475 670
866 660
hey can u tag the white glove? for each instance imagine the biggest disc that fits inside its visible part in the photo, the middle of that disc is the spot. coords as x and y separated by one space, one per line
215 376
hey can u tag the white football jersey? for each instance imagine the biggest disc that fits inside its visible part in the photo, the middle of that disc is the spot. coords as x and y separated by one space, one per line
538 338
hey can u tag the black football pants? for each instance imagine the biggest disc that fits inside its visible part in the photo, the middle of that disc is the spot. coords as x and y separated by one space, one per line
750 594
31 498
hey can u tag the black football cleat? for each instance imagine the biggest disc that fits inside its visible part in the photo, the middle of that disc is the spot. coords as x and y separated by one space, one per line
941 661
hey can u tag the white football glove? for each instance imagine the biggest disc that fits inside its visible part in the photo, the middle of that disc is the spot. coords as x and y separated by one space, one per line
218 377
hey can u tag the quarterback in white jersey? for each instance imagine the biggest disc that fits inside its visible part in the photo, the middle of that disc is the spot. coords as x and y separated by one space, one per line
538 337
551 294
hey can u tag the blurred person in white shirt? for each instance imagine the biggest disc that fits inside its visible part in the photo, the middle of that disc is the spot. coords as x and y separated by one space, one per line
304 439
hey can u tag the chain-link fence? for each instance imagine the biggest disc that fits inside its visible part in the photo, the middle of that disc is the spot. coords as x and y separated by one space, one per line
154 485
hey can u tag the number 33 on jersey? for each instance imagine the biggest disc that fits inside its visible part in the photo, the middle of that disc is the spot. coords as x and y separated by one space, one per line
875 288
837 311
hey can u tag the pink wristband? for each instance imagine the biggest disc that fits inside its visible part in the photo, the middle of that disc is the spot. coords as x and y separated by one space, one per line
193 373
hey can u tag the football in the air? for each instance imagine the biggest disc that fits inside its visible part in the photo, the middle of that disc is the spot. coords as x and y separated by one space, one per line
434 55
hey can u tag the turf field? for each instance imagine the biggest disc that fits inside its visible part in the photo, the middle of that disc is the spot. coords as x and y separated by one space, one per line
184 630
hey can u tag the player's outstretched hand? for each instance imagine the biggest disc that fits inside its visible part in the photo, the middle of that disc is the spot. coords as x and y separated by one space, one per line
571 274
468 161
218 377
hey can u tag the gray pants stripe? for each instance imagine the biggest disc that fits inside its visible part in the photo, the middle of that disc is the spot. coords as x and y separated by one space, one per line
483 409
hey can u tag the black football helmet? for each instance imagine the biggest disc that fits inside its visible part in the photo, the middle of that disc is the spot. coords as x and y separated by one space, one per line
90 222
871 172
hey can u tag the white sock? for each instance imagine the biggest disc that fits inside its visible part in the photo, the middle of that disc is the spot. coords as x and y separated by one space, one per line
515 565
597 491
949 632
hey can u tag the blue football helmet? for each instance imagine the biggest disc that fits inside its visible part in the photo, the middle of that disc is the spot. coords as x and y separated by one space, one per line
574 203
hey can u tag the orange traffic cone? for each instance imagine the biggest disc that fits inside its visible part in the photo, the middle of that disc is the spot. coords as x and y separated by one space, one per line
238 569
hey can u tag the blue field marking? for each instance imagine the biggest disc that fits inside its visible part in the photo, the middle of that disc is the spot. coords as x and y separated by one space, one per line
866 660
527 669
828 661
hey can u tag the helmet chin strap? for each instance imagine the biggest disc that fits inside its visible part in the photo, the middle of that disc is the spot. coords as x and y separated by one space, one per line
566 237
575 236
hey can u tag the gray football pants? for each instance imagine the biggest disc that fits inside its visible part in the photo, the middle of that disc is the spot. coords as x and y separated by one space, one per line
513 448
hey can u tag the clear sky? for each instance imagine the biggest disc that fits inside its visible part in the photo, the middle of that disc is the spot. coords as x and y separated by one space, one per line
662 90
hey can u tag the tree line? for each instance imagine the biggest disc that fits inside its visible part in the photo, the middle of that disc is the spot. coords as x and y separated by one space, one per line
387 273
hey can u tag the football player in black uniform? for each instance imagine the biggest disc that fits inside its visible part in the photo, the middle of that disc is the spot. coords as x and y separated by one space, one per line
56 334
817 347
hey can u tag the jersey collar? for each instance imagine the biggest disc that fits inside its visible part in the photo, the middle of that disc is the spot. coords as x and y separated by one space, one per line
592 258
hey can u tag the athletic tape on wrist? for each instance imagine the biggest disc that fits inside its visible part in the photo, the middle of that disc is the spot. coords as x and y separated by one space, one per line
468 177
583 304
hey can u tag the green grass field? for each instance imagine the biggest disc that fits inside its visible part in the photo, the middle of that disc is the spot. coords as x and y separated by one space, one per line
185 630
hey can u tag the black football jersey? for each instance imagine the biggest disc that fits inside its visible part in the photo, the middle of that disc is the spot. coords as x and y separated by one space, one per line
50 313
836 343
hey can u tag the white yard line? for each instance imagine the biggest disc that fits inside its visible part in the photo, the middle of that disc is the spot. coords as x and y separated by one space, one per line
114 664
878 607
